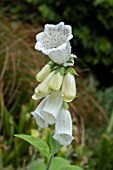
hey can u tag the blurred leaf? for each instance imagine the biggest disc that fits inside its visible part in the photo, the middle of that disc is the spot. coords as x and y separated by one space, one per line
54 145
71 167
37 164
38 143
105 158
57 163
109 129
1 163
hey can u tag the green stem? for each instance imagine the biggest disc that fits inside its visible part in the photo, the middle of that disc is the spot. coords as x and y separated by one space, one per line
49 163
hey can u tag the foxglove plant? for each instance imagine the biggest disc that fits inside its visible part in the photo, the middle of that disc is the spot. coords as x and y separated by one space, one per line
57 85
56 79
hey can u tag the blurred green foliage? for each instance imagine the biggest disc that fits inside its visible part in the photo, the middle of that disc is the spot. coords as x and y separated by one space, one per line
92 24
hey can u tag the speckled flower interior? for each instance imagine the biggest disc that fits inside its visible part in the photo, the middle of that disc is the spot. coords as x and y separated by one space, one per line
54 42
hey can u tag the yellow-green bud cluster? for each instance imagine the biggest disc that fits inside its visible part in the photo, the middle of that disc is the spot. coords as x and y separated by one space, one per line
56 78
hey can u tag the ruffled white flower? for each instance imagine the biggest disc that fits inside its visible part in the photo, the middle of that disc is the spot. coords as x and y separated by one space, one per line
54 42
63 128
41 122
68 87
52 107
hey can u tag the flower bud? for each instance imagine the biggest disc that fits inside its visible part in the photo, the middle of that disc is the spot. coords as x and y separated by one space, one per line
38 96
63 127
43 73
56 81
68 87
43 88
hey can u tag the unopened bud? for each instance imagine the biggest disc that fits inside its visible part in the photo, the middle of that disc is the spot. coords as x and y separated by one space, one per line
43 73
68 87
56 81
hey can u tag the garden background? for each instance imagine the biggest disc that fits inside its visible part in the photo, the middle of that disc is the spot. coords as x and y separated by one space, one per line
92 110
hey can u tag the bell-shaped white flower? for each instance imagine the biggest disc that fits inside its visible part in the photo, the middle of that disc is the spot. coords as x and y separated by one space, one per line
41 122
43 73
63 128
68 87
54 42
52 107
56 81
43 87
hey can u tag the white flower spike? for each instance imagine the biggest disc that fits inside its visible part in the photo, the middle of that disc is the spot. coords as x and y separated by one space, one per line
52 107
38 114
63 128
54 42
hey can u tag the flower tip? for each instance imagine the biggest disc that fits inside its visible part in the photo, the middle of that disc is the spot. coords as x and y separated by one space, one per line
63 139
34 97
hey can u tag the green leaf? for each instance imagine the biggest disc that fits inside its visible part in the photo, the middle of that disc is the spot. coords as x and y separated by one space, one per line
58 162
37 164
1 161
38 143
71 167
54 145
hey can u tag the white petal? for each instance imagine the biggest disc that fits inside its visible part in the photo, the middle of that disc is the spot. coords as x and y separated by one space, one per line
39 120
63 127
52 107
38 114
38 96
63 139
39 46
60 25
44 39
59 55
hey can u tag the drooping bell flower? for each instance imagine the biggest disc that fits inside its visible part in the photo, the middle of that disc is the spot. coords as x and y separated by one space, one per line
63 127
52 107
68 87
54 42
41 122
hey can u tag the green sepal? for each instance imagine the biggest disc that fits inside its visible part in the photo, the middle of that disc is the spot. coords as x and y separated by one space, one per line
72 71
61 70
65 105
52 64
